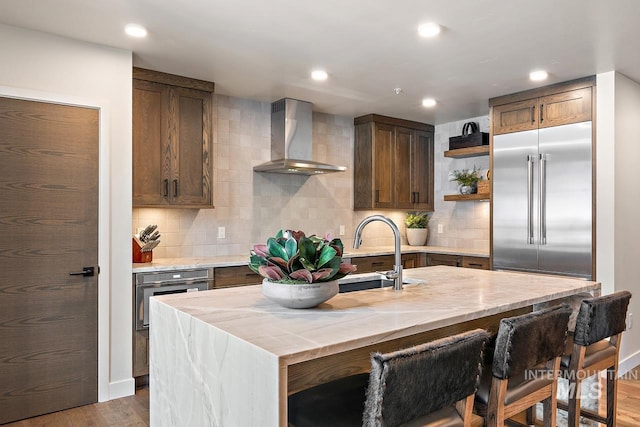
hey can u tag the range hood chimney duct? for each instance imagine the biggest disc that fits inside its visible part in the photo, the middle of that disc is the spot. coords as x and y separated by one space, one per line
291 141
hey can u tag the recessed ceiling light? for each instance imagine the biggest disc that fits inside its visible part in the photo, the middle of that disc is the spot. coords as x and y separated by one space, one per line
430 29
538 75
428 102
319 75
135 30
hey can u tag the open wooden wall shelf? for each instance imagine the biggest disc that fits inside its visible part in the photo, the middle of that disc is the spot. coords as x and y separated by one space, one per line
464 197
461 153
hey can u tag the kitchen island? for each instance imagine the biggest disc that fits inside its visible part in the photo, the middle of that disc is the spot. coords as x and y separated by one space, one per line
231 357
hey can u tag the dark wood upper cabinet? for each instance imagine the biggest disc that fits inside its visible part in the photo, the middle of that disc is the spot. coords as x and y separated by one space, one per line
172 134
554 105
393 164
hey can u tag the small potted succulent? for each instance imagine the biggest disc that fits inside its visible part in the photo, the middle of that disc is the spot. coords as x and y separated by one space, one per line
467 180
299 271
417 231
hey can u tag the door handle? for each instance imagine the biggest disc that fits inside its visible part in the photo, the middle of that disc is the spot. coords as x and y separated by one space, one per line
541 109
533 114
86 272
543 198
166 188
530 199
175 188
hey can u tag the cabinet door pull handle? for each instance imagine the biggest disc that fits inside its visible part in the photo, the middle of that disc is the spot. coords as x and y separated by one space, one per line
417 197
541 110
533 114
377 196
165 183
175 188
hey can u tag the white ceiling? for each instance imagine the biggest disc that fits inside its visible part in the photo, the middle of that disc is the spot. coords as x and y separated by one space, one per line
265 50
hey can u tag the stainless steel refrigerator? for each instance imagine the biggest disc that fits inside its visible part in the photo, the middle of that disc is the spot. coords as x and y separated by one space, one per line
542 200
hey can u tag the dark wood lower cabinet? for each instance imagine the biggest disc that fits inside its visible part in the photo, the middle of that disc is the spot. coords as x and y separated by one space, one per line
443 259
241 275
140 354
372 264
481 263
476 262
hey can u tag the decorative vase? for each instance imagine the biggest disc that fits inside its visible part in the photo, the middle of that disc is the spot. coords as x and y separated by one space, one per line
299 295
468 189
417 236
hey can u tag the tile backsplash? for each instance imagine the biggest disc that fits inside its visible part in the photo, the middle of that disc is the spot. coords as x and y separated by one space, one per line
252 206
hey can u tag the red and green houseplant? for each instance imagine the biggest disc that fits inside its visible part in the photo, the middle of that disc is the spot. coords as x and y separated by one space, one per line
294 266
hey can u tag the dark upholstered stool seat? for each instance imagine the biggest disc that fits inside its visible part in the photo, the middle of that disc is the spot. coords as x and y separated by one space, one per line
594 353
518 387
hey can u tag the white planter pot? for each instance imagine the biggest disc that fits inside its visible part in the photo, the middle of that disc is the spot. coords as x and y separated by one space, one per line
417 236
299 295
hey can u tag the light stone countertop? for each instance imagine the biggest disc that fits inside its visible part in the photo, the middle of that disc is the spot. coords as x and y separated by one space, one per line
449 295
162 264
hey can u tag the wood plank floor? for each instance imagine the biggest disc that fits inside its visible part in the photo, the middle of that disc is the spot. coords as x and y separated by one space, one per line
133 411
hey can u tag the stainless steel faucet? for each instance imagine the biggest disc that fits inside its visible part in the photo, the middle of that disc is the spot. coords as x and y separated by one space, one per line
396 274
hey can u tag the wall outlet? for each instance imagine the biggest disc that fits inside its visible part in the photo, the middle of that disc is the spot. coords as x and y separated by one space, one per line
222 233
342 230
629 320
440 228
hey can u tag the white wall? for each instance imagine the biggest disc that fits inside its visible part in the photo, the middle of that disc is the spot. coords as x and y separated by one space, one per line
618 204
42 66
464 224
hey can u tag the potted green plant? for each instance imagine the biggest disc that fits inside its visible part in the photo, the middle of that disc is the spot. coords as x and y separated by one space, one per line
417 231
299 271
467 180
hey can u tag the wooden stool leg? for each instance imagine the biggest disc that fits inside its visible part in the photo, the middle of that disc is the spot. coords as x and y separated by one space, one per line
574 403
612 385
495 407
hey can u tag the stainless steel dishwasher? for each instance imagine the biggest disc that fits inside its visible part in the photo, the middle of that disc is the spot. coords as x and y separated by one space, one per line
152 284
157 283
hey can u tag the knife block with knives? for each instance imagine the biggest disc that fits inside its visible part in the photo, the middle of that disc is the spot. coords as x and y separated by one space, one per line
143 244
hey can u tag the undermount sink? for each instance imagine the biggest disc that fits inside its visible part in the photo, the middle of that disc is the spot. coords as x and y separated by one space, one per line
369 281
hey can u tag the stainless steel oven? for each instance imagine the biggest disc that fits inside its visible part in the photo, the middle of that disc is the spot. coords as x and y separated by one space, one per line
163 283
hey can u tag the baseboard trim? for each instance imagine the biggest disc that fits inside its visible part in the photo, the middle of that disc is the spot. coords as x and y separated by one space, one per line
628 364
122 388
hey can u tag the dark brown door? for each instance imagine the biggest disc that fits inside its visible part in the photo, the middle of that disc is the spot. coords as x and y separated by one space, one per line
48 229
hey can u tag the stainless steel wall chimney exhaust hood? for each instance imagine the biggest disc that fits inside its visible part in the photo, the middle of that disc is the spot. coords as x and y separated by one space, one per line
291 141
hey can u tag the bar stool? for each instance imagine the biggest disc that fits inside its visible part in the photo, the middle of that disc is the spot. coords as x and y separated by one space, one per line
429 384
593 347
525 365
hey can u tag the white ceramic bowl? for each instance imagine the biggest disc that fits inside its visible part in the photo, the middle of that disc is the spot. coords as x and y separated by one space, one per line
299 296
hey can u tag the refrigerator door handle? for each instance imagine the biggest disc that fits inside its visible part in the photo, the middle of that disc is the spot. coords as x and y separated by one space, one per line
530 199
543 198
